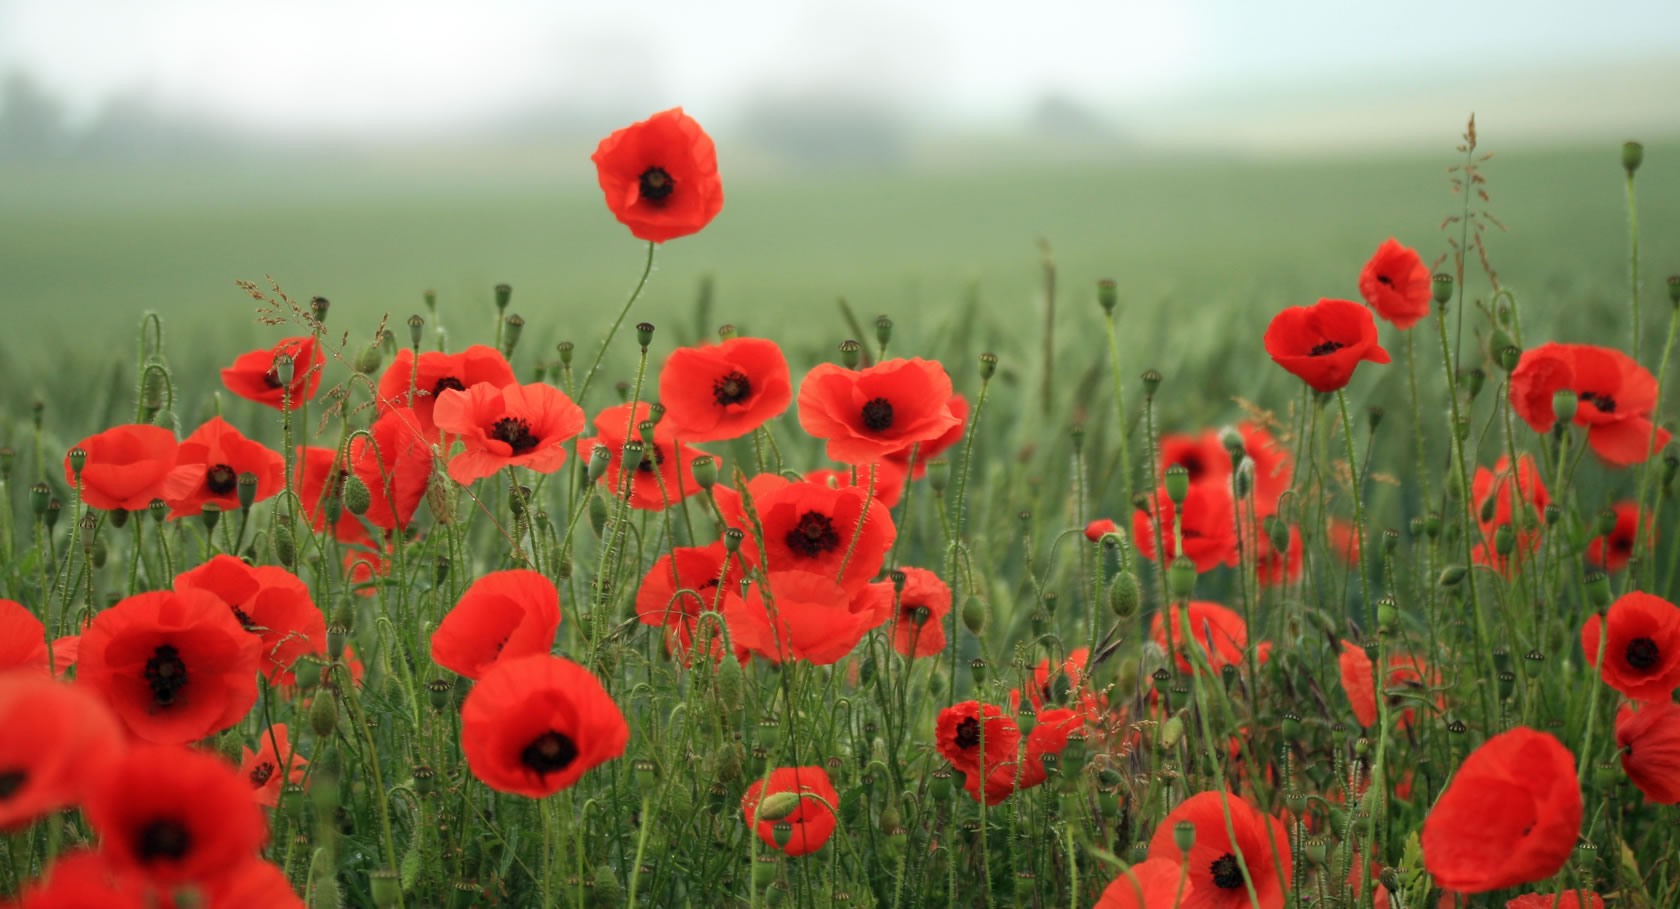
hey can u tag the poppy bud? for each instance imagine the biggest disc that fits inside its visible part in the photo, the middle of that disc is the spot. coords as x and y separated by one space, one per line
1598 589
1178 484
1671 466
1151 382
729 685
1050 599
1452 575
1317 849
974 615
851 353
384 887
1633 154
1184 836
705 471
977 669
323 717
1473 379
988 365
1108 295
514 326
1124 594
369 360
55 508
504 293
1181 578
1442 286
1277 533
285 545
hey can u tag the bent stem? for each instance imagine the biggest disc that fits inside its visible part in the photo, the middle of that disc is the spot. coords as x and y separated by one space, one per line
588 377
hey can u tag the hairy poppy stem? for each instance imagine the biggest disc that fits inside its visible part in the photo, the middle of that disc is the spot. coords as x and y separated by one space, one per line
1644 532
1633 262
588 377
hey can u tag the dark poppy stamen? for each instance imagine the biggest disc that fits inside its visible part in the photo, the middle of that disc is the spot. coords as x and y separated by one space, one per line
656 185
915 614
1605 403
221 479
1385 280
271 378
446 383
652 457
246 620
1642 654
1226 873
1325 347
261 773
164 838
813 535
732 388
878 414
166 673
11 781
515 432
548 753
1193 466
968 734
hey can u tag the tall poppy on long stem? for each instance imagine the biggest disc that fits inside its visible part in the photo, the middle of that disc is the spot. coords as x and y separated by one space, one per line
1615 398
208 466
535 725
724 391
503 615
660 176
1395 282
1323 343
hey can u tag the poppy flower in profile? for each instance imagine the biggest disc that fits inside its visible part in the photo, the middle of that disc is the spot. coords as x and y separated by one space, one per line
660 176
1614 549
927 451
503 615
395 466
254 377
175 815
1615 397
805 616
681 585
1209 530
208 465
83 879
919 624
1491 493
1359 681
174 666
534 725
1154 884
511 426
23 639
261 768
724 391
269 602
1648 736
1396 284
810 526
125 468
1569 899
1221 634
1049 736
867 414
1323 343
889 479
418 388
1642 653
1216 871
1509 816
970 734
812 820
1099 528
665 474
59 740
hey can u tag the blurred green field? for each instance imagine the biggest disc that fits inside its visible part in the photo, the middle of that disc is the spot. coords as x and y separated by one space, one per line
1204 250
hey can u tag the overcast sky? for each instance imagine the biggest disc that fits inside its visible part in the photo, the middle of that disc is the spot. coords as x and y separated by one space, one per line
347 65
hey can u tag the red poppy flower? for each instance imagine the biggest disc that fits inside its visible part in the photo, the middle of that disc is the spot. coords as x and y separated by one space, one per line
1569 899
1615 398
1614 550
320 480
1322 344
1272 465
437 373
534 725
812 820
958 736
1359 681
1221 634
503 615
1048 688
253 377
1642 655
83 879
1491 494
919 629
660 176
1344 541
175 815
1097 529
1509 816
1155 884
59 739
261 768
1202 456
663 477
890 477
1396 284
208 465
927 451
125 467
697 572
1209 528
365 561
1048 736
724 391
1648 735
254 884
270 603
23 639
1216 871
867 414
806 617
174 666
810 527
510 426
395 467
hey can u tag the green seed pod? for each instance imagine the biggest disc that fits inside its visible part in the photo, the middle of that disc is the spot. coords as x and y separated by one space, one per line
1181 579
325 894
939 784
1316 850
778 805
988 366
1178 484
730 686
385 888
644 335
851 353
1633 154
1441 286
977 669
1452 575
285 545
1598 589
1184 836
1564 406
598 515
767 867
1108 295
1151 382
1172 732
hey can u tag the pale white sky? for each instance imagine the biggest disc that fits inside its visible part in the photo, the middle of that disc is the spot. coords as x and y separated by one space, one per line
346 65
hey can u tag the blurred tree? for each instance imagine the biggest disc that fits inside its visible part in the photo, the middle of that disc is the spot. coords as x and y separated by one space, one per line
31 120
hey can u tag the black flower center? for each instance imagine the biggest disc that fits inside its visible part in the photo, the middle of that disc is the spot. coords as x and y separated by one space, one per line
878 415
515 432
1193 466
10 782
813 535
968 734
656 185
221 479
1226 873
447 383
261 773
652 457
271 378
1605 403
246 620
1323 348
1385 280
1642 654
548 753
164 838
732 388
915 614
166 673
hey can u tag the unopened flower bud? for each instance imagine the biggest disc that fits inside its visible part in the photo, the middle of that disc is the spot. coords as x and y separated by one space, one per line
369 360
1125 595
323 715
974 615
1633 154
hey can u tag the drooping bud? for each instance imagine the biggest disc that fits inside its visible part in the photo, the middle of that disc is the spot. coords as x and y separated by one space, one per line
357 497
1452 575
974 615
1124 594
323 715
368 360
